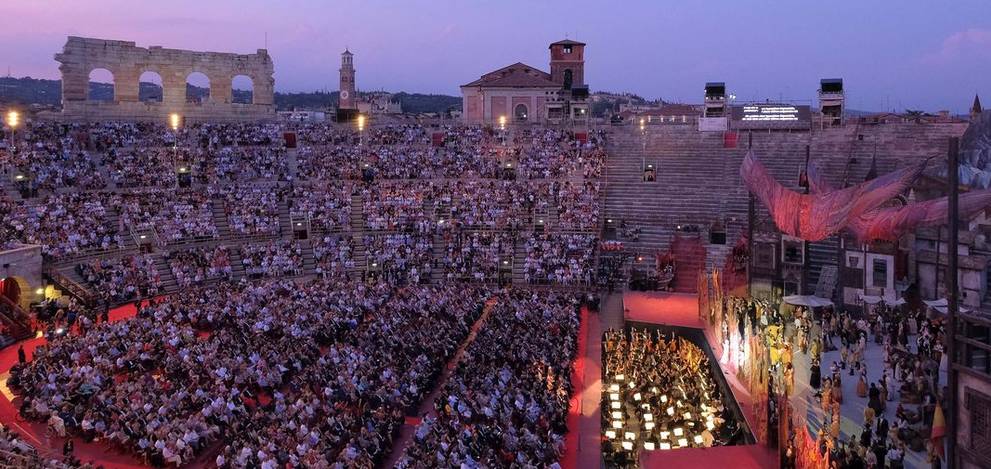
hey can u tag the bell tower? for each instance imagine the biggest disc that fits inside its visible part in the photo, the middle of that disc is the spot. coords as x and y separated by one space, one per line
347 97
568 63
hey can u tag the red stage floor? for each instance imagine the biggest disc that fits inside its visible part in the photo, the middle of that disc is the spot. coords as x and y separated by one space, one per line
673 309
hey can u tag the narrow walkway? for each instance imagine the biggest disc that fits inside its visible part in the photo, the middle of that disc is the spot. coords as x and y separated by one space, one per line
426 408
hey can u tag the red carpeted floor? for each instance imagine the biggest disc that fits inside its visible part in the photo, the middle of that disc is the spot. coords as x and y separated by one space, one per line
673 309
35 433
736 457
570 457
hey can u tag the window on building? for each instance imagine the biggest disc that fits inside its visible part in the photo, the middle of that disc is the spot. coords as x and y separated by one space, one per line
567 49
853 262
978 405
880 273
764 256
792 252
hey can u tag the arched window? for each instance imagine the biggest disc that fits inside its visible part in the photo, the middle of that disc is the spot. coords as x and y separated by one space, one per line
150 88
101 85
197 88
567 78
242 89
520 112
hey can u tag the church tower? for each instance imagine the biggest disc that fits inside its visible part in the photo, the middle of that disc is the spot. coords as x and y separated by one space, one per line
568 63
976 109
348 99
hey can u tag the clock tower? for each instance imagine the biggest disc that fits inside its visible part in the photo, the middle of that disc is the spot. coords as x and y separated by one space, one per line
348 98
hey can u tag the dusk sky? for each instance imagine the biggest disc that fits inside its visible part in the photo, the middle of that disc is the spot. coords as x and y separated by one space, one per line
891 54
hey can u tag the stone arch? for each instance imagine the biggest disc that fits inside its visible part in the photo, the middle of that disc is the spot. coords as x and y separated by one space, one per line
151 88
198 87
520 112
13 289
242 89
97 81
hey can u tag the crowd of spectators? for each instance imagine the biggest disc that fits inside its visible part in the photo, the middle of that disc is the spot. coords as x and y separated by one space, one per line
273 373
334 255
122 279
506 404
556 258
251 210
197 265
483 257
174 216
272 259
327 207
400 257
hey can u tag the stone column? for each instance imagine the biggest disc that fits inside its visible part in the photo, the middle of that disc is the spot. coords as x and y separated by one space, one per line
126 83
263 91
220 87
174 87
75 82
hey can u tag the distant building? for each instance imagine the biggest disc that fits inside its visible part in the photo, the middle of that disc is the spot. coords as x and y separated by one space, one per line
521 93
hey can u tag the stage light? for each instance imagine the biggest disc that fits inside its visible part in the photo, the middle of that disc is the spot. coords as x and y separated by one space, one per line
617 414
648 417
19 177
174 121
375 264
40 291
13 119
502 122
361 122
59 331
665 446
143 236
299 224
679 431
648 445
682 442
617 424
611 434
609 220
698 439
649 425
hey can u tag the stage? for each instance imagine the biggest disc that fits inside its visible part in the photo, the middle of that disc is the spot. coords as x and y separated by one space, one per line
681 310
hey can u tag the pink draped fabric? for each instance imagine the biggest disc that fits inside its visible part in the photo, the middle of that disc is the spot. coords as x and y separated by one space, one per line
814 217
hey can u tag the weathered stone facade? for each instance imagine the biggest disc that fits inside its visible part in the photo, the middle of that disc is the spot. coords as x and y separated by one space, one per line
127 62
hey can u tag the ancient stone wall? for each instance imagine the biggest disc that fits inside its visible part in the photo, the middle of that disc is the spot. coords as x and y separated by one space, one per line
127 62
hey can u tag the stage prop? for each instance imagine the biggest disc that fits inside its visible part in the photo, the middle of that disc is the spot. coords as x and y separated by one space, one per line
859 209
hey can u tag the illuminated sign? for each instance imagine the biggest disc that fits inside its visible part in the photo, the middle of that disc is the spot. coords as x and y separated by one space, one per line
771 116
770 113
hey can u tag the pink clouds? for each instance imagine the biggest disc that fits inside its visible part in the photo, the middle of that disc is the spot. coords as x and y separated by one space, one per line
969 43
